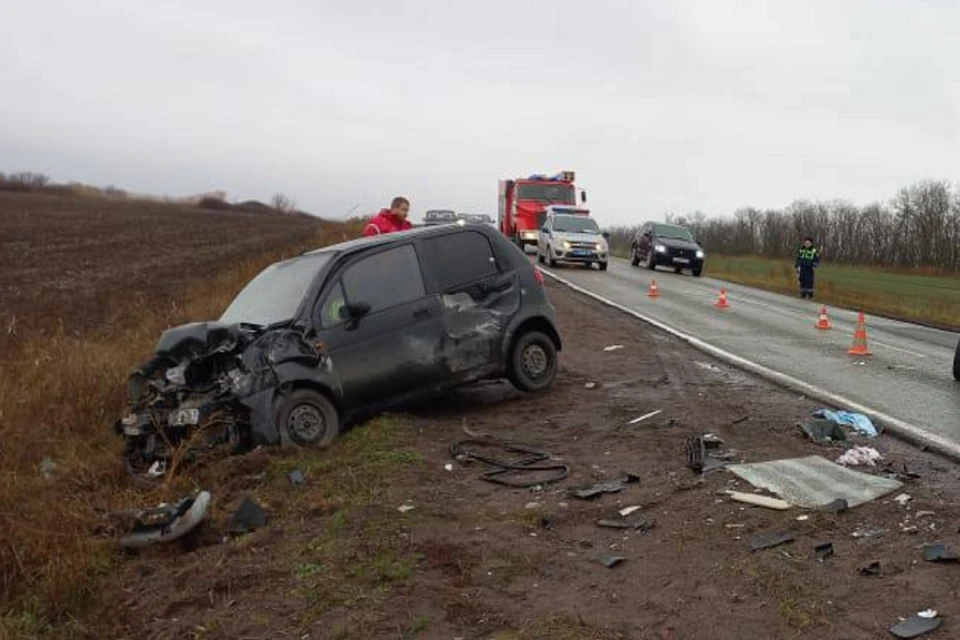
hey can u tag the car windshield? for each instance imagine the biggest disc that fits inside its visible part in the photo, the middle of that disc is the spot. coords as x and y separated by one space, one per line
670 231
575 224
275 294
551 193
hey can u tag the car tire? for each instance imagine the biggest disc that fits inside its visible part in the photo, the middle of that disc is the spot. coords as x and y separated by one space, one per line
634 259
307 418
550 261
678 270
956 363
697 272
651 261
603 266
532 364
540 257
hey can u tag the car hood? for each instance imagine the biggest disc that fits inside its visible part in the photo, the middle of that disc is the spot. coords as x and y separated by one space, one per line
577 237
677 243
198 338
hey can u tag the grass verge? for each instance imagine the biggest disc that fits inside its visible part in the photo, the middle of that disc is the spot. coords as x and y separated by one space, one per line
58 396
915 297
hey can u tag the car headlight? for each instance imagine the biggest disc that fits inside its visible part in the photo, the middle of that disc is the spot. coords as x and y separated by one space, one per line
602 247
177 375
566 246
660 248
699 254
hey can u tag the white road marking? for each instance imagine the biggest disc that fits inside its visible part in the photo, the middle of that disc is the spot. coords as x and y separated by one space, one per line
904 430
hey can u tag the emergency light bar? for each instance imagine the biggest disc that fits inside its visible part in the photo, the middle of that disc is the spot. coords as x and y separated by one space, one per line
563 176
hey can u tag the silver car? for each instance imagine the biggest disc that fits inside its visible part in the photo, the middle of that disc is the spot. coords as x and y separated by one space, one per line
572 238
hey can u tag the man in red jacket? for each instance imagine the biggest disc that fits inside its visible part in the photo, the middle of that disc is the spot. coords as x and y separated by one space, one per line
390 220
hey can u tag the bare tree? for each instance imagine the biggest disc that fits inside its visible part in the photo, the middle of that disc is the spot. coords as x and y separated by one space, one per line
283 204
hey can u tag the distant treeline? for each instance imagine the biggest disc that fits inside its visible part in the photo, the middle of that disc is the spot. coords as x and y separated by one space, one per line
919 227
27 181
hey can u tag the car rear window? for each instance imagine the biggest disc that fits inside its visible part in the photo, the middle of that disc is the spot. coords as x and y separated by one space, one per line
459 258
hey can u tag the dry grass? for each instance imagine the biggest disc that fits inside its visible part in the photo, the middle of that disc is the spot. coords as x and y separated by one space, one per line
59 396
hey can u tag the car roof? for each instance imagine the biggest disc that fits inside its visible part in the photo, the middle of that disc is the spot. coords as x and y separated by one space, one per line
370 242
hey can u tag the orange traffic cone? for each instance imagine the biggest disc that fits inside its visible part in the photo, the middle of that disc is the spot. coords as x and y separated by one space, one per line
824 322
654 291
859 347
722 302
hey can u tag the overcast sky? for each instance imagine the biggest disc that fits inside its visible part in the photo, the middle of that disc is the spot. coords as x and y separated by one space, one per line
657 106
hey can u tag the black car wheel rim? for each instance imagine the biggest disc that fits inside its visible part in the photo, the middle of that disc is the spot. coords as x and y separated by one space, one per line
306 423
534 361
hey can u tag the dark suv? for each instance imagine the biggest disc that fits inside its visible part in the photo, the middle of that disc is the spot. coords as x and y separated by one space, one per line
658 244
343 332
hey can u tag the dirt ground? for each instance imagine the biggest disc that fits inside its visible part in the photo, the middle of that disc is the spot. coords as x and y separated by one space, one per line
66 258
473 559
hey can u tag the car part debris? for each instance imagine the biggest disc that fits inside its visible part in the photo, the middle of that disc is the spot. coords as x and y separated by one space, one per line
803 518
837 506
860 456
857 421
590 385
758 500
813 481
916 626
614 486
872 569
405 508
903 499
938 552
866 534
248 518
297 478
628 510
823 431
741 419
613 347
646 416
699 457
527 462
823 551
610 561
769 540
166 522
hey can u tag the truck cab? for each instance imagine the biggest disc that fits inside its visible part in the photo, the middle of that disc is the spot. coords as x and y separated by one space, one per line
523 204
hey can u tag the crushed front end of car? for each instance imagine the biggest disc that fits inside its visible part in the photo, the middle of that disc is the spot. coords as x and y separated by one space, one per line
210 388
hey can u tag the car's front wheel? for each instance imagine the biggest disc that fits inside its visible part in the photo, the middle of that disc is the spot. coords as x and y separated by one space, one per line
307 418
697 272
550 261
540 258
533 362
651 260
956 363
603 266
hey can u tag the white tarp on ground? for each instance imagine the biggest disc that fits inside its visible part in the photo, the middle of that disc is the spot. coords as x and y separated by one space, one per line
814 481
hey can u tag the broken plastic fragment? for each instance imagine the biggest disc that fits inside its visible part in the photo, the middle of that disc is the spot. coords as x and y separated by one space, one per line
296 477
769 540
872 569
902 499
915 626
613 347
248 517
823 551
628 510
646 416
939 553
760 501
167 522
610 561
404 508
929 613
448 467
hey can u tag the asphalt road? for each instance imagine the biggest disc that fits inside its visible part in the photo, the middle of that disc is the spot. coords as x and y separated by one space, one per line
909 376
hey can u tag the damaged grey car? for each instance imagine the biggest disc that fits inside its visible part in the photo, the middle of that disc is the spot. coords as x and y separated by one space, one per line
320 341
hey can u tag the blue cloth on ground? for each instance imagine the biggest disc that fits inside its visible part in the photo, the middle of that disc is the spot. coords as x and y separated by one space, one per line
859 422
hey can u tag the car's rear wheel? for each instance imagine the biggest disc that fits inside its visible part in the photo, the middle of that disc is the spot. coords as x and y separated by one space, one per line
634 258
956 363
308 419
533 362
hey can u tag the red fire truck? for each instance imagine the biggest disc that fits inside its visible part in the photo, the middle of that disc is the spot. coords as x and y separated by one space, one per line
522 204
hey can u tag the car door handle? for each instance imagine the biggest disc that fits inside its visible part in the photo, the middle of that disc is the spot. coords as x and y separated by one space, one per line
419 314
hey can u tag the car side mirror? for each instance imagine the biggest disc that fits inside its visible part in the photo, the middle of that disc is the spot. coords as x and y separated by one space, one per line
354 312
583 196
545 230
606 235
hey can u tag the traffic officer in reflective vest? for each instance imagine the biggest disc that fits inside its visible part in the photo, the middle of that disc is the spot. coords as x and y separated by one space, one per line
808 259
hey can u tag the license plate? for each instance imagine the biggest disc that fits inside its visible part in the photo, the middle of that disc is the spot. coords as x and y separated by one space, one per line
682 260
184 417
581 252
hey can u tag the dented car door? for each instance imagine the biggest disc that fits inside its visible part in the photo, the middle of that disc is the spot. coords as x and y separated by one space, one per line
380 328
478 299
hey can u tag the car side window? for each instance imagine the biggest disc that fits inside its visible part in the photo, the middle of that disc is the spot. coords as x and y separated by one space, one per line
460 258
384 280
